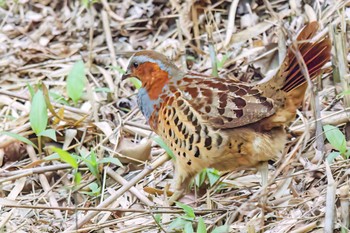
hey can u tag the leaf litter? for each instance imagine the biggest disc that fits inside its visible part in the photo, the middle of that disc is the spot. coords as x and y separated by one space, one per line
42 41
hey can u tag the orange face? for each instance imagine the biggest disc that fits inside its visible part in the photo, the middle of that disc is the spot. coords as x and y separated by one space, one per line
152 77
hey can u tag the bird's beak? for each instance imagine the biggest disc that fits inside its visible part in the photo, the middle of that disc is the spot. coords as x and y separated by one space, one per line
126 76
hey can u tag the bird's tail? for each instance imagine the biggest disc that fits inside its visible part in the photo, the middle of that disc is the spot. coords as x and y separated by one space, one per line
315 55
289 77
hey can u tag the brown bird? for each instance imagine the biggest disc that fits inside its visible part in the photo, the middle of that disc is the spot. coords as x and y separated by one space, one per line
219 122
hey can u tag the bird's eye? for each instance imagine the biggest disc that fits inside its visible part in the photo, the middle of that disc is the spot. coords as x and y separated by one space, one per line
135 64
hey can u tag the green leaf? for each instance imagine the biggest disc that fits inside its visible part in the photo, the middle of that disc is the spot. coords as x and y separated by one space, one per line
76 81
103 89
332 156
58 98
119 69
53 156
66 157
188 228
177 224
19 138
335 137
50 133
201 226
137 83
77 178
223 60
342 94
31 90
213 175
188 209
38 113
221 229
93 168
162 144
94 188
115 161
157 218
200 178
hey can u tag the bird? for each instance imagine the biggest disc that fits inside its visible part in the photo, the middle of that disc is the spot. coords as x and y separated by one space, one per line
220 122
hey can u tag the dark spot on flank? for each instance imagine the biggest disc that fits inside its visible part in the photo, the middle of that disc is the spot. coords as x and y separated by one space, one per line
169 112
221 111
268 105
176 120
217 121
223 99
179 126
186 135
198 129
189 162
239 147
176 141
191 139
207 142
205 129
195 121
193 91
183 130
167 122
262 99
184 154
229 119
230 145
207 109
239 113
198 139
239 102
186 110
219 85
241 92
233 88
197 152
184 143
180 103
253 91
218 140
179 153
190 147
170 133
189 116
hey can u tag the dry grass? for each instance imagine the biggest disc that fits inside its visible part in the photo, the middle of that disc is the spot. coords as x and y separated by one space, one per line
41 40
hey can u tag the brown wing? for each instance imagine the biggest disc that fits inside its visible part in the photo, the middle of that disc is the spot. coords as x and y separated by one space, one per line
224 103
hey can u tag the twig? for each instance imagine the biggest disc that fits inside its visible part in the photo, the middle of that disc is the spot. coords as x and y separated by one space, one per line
231 22
335 118
345 205
111 199
330 201
110 12
109 41
45 184
195 25
133 190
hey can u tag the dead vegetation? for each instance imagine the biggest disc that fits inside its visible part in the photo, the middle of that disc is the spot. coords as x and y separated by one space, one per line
40 41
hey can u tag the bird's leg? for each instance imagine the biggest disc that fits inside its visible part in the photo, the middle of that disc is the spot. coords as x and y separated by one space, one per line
264 171
182 180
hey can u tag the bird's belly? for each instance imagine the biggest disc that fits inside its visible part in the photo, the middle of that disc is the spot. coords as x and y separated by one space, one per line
247 149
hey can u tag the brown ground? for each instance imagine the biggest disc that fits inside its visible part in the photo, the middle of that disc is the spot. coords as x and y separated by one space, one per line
41 40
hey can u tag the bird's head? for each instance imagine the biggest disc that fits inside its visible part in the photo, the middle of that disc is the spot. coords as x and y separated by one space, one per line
153 69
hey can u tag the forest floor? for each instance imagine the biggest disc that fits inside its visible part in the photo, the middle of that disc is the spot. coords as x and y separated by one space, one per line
76 153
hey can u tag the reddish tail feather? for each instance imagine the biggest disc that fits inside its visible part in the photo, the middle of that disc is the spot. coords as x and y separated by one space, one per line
315 55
